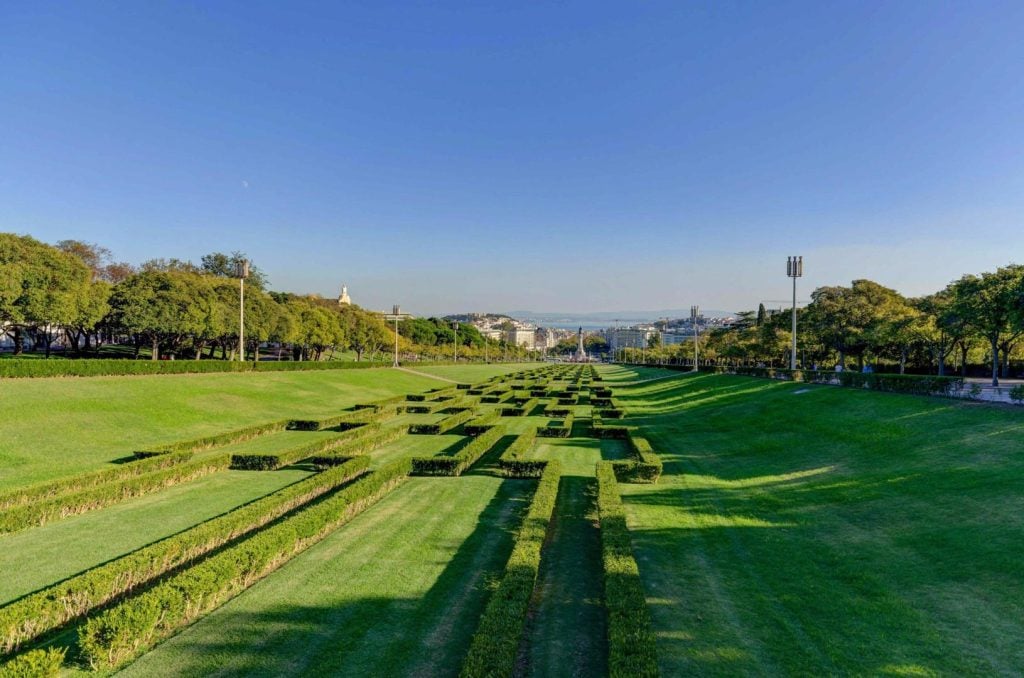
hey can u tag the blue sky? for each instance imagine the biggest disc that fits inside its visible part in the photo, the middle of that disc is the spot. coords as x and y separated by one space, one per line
570 156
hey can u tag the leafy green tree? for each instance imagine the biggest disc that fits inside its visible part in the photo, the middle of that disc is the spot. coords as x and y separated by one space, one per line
992 304
163 308
225 266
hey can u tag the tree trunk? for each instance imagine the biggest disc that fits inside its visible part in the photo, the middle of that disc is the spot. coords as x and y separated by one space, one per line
842 360
994 341
942 362
156 349
903 360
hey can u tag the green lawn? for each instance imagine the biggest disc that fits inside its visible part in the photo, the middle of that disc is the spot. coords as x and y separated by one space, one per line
62 426
474 373
817 530
28 560
396 592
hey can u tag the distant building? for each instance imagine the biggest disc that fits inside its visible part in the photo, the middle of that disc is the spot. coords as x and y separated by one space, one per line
343 298
628 337
521 336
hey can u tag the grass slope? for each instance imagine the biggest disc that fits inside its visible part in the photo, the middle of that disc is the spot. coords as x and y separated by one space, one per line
27 558
398 591
59 427
817 530
475 373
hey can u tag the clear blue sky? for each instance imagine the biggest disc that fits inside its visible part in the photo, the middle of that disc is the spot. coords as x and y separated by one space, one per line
567 156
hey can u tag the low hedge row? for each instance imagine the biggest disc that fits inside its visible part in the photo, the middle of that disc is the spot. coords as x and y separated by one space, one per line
481 423
358 446
237 435
350 418
631 646
39 613
271 462
100 367
444 425
61 506
558 411
36 493
497 397
612 413
561 430
520 410
892 383
643 466
35 664
500 631
456 464
124 631
511 463
598 429
573 400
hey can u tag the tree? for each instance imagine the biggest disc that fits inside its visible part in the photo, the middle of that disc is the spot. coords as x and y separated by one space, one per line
654 341
992 304
226 265
761 313
163 308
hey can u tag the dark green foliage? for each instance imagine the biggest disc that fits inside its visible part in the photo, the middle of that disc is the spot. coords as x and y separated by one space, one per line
568 400
497 396
120 633
456 464
599 430
497 638
357 416
511 463
892 383
445 425
561 430
98 367
269 462
631 646
558 411
644 466
230 437
359 445
51 608
610 413
521 410
479 425
22 516
34 664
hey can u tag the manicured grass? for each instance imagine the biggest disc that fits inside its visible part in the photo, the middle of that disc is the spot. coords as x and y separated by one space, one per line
817 530
398 591
58 427
28 560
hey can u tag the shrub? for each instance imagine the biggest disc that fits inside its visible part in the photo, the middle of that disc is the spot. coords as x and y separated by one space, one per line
270 462
358 446
644 466
120 633
1017 394
40 512
612 413
481 423
558 411
599 430
561 430
30 617
445 425
511 463
456 464
520 410
54 488
92 367
631 646
357 416
496 641
497 396
35 664
207 442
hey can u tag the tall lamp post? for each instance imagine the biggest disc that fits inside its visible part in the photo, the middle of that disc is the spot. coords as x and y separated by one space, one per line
794 269
455 323
694 314
396 315
241 272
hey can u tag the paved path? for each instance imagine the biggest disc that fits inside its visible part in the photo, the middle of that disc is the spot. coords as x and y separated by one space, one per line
424 374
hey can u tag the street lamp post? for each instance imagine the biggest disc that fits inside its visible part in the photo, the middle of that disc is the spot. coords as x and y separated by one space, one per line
456 324
694 313
396 315
241 272
794 269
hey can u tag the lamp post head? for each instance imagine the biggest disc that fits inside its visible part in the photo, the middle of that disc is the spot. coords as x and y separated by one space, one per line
795 267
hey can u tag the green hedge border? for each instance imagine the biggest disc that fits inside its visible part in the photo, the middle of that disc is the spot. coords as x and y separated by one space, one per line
457 464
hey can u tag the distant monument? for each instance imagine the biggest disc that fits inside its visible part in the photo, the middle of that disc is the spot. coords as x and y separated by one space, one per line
581 353
344 299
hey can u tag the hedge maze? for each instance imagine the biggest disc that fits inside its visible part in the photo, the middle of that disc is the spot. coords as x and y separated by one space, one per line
103 618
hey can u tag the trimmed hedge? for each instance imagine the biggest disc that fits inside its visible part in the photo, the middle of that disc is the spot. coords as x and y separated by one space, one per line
93 367
480 425
599 430
644 466
561 430
36 493
558 411
631 646
28 618
271 462
358 446
35 664
913 384
520 410
456 464
500 631
359 415
124 631
612 413
511 464
73 503
443 426
238 435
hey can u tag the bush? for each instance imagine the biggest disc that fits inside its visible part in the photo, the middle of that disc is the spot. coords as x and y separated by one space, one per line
644 466
270 462
1017 394
557 411
358 446
497 638
497 396
35 664
447 424
520 410
40 512
599 430
631 646
229 438
456 464
612 413
92 367
481 423
54 488
39 613
124 631
561 430
359 415
511 463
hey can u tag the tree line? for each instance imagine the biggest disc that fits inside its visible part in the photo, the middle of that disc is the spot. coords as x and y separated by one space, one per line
174 308
976 319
